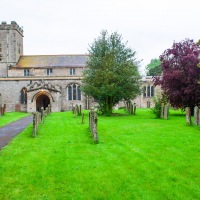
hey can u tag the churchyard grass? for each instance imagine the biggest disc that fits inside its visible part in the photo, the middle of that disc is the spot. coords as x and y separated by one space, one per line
137 157
9 117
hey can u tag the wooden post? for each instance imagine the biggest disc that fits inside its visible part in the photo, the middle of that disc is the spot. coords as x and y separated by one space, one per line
42 114
95 133
131 108
34 124
80 109
134 109
188 115
82 118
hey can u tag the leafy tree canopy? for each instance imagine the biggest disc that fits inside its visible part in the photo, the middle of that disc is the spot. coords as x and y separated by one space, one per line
181 74
112 74
154 68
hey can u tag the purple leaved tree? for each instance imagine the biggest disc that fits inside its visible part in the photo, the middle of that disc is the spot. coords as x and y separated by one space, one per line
181 74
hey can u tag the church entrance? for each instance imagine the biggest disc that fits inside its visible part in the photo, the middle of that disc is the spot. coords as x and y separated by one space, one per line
42 101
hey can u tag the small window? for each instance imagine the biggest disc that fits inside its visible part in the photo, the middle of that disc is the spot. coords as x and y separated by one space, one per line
0 48
49 72
72 71
24 96
26 72
1 57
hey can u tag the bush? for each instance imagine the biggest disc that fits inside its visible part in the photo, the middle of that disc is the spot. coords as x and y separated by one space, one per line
157 108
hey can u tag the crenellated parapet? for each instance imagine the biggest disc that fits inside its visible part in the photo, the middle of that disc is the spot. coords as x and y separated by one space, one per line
12 26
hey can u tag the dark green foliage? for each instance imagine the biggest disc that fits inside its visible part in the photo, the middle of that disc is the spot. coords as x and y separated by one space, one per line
112 73
156 110
154 68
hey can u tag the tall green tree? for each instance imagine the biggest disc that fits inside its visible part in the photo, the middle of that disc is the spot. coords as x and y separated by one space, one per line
154 68
112 74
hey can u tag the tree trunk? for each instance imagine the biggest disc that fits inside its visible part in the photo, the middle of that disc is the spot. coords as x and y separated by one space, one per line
109 105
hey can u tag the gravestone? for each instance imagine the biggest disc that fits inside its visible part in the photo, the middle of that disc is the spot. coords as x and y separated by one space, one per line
196 115
188 115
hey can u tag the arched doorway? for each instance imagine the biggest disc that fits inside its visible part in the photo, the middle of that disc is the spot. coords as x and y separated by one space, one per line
42 101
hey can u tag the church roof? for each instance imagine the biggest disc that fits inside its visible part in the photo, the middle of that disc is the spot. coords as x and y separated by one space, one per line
46 61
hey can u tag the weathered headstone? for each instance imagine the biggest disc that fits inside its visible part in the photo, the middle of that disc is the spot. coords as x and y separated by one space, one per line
196 115
162 111
188 115
80 109
166 112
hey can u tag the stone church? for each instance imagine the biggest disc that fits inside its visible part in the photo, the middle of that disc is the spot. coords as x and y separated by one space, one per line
29 82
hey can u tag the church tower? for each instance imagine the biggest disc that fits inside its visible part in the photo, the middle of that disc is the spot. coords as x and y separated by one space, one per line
11 45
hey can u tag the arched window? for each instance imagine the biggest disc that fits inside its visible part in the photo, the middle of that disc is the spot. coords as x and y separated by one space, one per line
24 96
152 91
74 92
148 91
70 93
144 91
79 93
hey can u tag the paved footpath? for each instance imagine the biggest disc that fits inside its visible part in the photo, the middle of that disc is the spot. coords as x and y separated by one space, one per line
11 130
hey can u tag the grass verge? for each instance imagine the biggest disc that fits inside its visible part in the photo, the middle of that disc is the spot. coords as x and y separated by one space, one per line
9 117
138 157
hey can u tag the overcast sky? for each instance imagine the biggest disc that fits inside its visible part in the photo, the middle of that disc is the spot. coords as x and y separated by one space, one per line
69 26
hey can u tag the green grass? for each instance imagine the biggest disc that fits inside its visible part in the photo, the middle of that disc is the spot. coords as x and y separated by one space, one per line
9 117
138 157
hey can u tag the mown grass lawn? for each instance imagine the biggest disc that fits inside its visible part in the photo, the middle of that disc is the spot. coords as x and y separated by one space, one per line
138 157
9 117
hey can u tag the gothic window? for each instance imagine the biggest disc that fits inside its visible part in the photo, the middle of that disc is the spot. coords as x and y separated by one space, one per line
72 71
0 48
74 92
148 91
26 72
79 93
49 72
24 96
1 57
152 91
144 91
70 92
